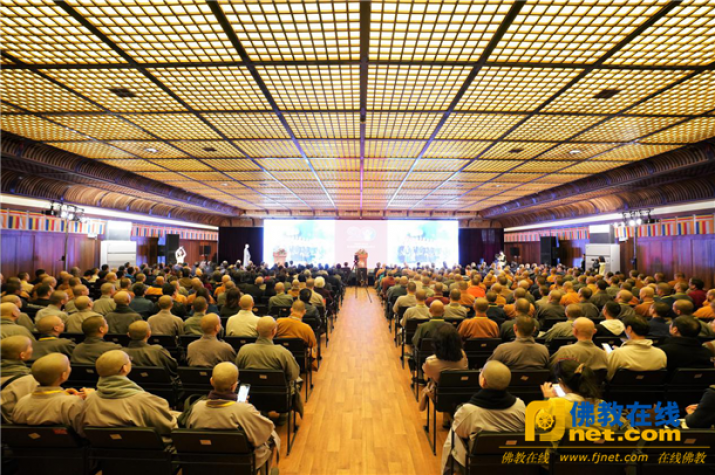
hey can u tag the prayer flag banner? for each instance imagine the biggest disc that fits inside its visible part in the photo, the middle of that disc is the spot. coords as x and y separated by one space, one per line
564 234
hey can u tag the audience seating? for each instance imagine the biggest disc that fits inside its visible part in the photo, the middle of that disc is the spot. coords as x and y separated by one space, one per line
302 355
75 337
527 384
478 350
82 376
238 341
557 343
156 380
129 450
408 332
486 453
117 338
645 387
454 389
47 450
218 452
270 392
421 353
196 380
613 341
547 323
685 385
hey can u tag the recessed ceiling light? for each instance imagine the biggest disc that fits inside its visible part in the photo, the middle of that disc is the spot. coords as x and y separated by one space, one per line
209 149
122 92
151 150
498 186
607 94
574 152
224 184
516 150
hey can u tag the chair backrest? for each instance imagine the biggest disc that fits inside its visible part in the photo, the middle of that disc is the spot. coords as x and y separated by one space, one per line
195 376
494 443
294 345
550 322
624 377
411 327
75 337
167 341
481 345
426 345
84 372
238 341
39 437
462 379
211 441
693 377
616 443
455 388
149 375
610 340
186 340
535 377
117 338
257 378
145 438
453 321
557 343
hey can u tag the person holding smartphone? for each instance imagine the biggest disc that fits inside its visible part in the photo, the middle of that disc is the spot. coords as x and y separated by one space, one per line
226 408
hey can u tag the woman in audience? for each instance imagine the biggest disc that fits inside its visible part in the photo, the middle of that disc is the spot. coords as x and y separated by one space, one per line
231 307
449 355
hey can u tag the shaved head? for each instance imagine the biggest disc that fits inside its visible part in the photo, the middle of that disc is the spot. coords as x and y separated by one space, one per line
82 303
584 328
421 296
266 326
50 369
9 310
495 375
246 302
165 302
280 287
49 324
209 323
93 325
224 377
111 363
139 330
436 309
122 298
15 347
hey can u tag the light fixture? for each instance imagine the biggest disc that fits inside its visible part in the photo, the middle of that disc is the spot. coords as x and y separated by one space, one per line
607 94
122 92
574 152
151 150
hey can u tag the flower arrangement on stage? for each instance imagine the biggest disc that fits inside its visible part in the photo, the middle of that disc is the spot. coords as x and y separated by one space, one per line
361 252
280 252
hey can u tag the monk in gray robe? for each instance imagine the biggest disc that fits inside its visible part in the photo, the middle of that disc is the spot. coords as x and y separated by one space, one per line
50 329
119 402
15 378
192 325
222 411
24 319
165 322
122 316
209 351
9 313
93 346
144 354
50 404
83 306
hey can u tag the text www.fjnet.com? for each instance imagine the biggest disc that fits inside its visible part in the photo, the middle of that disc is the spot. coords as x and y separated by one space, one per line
599 457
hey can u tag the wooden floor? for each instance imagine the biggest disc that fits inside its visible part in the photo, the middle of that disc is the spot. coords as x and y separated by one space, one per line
362 417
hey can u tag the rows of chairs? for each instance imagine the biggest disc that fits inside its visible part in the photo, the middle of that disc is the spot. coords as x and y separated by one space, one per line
122 450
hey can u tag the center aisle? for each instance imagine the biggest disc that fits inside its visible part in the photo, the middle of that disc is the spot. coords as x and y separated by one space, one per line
362 417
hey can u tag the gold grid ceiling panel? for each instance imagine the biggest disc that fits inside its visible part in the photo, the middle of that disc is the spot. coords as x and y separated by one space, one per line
497 166
149 149
236 164
543 166
559 179
313 87
567 31
174 126
450 149
29 91
215 88
686 35
36 128
393 148
429 31
633 86
478 126
469 177
691 131
635 152
552 127
331 148
439 165
183 165
694 96
251 178
593 166
576 151
396 125
517 177
508 89
208 149
625 128
517 150
297 164
415 87
325 125
248 125
95 84
269 148
91 149
38 31
386 164
329 164
103 127
160 31
296 31
133 165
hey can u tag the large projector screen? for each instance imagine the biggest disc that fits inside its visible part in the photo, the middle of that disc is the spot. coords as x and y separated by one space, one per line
337 241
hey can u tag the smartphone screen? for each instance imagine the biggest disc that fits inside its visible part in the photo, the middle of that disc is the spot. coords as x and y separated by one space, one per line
559 392
607 347
243 392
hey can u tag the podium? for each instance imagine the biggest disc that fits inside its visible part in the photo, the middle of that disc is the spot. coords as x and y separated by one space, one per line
279 258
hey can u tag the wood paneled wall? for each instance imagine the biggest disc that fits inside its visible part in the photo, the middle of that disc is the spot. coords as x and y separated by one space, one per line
30 250
693 255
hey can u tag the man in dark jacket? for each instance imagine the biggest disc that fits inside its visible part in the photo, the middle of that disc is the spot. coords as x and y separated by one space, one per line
684 350
122 316
702 415
140 304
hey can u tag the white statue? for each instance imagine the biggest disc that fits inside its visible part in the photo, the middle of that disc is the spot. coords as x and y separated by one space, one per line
180 254
246 256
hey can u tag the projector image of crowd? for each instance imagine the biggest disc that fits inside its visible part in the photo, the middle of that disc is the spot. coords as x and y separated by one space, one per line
169 347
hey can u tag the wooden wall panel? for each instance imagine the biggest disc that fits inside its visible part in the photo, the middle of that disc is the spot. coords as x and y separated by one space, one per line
530 252
193 249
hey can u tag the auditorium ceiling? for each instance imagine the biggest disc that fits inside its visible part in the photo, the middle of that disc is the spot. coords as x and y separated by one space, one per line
369 108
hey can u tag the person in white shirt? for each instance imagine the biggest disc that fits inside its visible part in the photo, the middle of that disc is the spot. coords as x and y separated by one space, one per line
638 353
244 323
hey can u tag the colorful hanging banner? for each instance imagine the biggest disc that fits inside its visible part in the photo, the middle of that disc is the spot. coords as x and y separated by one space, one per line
680 226
564 234
161 231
